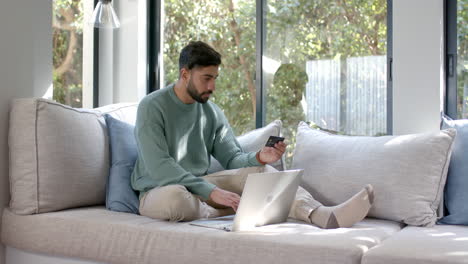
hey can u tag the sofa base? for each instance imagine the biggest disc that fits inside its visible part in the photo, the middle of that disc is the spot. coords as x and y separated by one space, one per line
18 256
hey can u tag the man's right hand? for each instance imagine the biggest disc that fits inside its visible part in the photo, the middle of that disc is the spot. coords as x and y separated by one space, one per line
225 198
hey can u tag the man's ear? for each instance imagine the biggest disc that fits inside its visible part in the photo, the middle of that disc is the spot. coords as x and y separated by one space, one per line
185 74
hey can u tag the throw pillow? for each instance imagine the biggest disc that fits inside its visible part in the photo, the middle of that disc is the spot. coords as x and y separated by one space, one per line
253 141
123 148
407 172
456 194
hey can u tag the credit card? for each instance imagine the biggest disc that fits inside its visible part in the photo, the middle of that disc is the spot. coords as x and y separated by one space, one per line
272 140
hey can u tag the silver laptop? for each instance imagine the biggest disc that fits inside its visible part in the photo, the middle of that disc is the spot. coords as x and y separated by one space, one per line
266 199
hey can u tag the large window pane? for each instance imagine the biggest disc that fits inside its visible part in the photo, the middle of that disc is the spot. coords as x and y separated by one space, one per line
72 52
325 63
229 27
462 65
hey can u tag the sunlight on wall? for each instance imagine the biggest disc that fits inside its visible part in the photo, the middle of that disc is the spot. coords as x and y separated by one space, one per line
49 93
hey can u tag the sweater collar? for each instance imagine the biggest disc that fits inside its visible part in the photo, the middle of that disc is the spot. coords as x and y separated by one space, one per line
183 106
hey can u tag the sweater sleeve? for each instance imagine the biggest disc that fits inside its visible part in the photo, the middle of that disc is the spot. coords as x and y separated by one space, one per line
227 149
160 166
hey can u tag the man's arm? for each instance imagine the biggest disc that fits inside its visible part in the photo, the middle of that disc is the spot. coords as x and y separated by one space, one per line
227 150
229 153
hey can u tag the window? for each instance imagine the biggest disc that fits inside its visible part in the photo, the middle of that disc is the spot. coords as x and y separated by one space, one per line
72 53
457 58
229 27
324 62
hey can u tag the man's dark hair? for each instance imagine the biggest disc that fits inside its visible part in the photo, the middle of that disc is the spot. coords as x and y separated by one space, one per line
198 53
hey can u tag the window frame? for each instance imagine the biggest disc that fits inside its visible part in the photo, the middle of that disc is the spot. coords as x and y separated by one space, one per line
155 57
451 57
154 51
96 64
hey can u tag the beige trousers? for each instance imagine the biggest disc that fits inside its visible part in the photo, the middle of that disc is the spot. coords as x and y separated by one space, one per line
176 203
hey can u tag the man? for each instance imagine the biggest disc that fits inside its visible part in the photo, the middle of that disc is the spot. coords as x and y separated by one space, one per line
177 129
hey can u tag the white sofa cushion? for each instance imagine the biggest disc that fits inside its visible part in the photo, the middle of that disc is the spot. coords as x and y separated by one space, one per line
422 245
112 237
253 141
59 156
125 112
408 172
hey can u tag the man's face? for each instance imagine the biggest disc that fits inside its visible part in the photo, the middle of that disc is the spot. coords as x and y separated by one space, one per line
201 83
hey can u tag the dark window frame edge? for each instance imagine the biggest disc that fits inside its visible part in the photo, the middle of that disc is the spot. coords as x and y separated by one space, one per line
450 34
95 64
390 67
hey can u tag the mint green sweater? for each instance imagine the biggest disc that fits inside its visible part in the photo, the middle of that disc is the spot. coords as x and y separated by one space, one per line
175 141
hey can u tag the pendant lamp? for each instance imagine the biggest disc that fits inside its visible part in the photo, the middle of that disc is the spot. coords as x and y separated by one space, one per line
104 15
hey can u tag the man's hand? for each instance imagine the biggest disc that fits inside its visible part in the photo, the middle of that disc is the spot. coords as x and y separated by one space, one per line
270 155
226 198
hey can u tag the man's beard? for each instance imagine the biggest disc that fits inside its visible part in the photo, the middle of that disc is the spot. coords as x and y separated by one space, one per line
192 91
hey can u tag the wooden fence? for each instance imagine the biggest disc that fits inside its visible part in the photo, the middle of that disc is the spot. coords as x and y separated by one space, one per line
348 95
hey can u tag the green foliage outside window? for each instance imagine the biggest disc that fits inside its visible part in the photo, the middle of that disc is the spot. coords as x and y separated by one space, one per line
67 51
462 61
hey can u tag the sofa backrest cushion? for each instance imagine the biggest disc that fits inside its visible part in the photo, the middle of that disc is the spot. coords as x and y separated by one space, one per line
125 112
254 140
59 156
407 172
456 189
120 196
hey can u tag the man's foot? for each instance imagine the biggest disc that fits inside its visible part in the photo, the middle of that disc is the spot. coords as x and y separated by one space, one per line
346 214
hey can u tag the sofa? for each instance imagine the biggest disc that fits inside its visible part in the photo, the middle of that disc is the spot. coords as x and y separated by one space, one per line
61 160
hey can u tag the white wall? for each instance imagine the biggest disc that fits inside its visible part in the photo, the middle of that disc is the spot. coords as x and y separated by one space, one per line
418 65
25 66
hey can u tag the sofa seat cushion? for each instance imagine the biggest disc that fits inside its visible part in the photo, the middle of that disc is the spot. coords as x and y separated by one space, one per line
95 233
419 245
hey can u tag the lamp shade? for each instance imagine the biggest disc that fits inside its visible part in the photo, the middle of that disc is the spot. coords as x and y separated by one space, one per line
104 15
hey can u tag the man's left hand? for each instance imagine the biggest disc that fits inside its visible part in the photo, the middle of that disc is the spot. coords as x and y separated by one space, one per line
272 154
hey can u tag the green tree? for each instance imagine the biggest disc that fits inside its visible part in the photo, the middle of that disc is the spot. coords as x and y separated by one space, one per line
67 51
462 62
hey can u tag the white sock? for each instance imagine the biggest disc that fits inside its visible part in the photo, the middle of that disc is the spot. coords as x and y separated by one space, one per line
346 214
